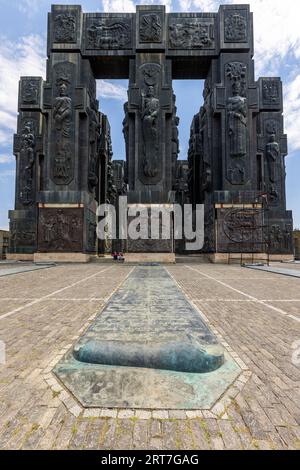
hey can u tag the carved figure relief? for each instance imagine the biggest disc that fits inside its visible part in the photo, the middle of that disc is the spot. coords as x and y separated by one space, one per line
204 141
27 163
288 238
150 110
182 184
92 226
207 178
150 28
237 122
60 230
126 128
94 145
65 28
30 92
237 72
119 177
175 138
273 162
237 111
242 225
23 234
150 114
151 74
235 28
273 155
111 188
109 34
276 238
271 92
62 117
191 34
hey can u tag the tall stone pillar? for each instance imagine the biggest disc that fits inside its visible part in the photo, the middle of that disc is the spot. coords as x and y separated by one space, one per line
148 123
150 110
29 152
271 175
229 176
67 200
237 148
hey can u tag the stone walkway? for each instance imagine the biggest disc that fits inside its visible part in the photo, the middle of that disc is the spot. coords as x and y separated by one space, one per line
9 270
284 271
257 314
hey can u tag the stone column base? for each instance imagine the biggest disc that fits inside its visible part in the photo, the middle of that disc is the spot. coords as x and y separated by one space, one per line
150 258
19 257
226 258
61 258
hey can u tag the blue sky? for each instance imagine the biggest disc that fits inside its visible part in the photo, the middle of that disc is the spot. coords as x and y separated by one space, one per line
23 31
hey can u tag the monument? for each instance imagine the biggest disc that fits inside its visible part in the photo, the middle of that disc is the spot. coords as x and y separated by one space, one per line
63 148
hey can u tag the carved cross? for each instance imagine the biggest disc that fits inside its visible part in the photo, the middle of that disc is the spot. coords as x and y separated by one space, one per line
165 97
220 100
80 97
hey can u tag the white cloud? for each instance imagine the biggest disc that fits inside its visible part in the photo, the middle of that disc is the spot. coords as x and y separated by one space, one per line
17 58
118 6
276 46
276 28
6 159
208 6
110 90
129 6
28 7
292 112
27 57
167 3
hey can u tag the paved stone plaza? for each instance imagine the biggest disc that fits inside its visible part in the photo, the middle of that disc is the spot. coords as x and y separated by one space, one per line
255 314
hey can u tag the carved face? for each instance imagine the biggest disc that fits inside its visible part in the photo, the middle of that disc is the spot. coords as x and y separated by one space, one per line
63 89
236 88
272 138
27 130
150 92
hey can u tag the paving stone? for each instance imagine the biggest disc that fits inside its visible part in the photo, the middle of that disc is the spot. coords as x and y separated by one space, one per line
160 414
126 414
91 413
265 414
79 435
33 437
172 437
141 414
94 431
105 413
177 414
124 434
76 410
141 434
200 434
65 435
156 444
156 428
230 437
288 438
108 437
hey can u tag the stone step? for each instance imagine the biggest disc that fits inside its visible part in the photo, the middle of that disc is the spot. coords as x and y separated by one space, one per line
102 260
188 259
